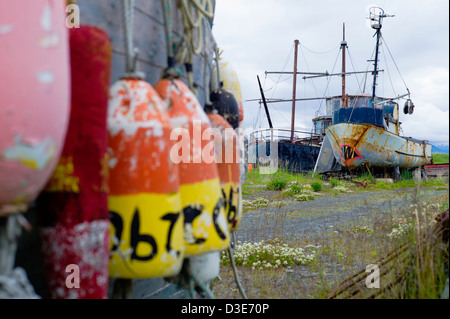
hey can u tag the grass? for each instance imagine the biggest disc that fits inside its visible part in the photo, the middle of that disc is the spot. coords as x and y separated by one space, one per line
440 158
267 265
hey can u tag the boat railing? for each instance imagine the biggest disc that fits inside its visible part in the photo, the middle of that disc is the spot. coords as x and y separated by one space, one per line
284 135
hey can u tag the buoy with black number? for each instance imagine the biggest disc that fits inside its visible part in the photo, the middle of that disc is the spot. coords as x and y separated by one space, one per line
144 201
35 98
205 224
228 164
72 210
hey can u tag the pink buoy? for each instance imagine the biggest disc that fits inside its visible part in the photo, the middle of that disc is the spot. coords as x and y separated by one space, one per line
35 97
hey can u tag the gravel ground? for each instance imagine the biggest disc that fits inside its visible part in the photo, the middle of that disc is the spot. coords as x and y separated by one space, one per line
312 221
298 220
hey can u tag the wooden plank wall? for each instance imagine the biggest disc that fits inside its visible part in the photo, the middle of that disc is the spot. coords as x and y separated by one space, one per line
149 38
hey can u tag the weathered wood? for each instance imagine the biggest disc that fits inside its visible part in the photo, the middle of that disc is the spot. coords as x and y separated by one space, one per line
149 38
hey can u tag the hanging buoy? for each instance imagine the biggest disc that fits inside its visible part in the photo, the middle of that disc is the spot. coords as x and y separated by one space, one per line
72 210
226 105
228 159
229 82
205 224
144 201
35 98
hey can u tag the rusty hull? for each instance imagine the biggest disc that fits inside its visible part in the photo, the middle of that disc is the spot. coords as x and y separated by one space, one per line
355 145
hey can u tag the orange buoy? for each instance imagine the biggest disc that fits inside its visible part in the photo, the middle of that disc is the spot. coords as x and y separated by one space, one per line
144 202
205 224
72 210
227 159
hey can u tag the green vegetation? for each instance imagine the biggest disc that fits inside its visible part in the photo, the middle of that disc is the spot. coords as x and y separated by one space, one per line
316 186
440 158
294 189
276 264
277 183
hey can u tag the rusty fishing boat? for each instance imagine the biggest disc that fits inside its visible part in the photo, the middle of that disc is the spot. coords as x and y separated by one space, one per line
365 129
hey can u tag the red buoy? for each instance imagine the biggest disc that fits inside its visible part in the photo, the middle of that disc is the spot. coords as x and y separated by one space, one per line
72 210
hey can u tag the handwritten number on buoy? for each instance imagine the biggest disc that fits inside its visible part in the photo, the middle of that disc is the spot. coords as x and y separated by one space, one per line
172 218
230 209
190 213
136 238
117 222
216 213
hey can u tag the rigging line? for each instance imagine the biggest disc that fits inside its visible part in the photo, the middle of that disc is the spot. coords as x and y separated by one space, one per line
284 68
255 121
279 81
329 80
398 70
312 81
280 113
324 52
389 75
354 69
365 77
360 89
307 68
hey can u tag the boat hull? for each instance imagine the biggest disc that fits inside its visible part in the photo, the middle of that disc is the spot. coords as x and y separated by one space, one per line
355 145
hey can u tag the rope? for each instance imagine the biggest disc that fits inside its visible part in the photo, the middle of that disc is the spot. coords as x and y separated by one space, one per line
171 71
130 50
217 58
13 281
389 74
236 277
192 25
404 83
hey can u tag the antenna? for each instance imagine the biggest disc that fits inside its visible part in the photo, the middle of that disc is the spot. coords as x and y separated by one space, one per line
376 15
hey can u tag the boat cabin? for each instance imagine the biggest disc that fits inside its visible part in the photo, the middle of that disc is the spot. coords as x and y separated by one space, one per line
358 110
320 123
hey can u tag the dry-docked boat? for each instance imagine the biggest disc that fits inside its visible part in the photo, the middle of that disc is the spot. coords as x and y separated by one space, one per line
365 131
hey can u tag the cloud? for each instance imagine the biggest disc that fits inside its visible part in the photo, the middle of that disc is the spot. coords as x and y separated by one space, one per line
258 36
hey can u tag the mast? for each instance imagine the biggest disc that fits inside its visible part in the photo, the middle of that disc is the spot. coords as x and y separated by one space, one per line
375 70
265 104
343 47
294 90
376 16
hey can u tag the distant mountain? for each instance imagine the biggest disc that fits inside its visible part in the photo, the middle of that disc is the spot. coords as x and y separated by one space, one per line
439 149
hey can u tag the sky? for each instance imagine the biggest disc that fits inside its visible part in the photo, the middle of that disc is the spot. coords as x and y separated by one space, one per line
258 36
